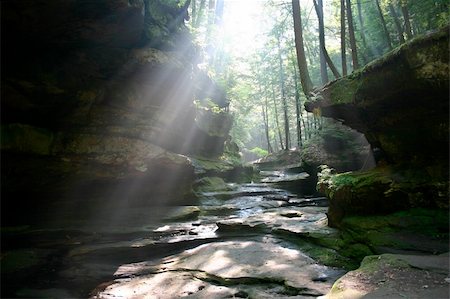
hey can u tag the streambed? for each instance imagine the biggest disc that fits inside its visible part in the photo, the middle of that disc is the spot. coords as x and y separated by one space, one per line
250 241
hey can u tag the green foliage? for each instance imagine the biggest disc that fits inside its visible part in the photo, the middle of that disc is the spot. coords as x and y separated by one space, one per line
252 80
259 151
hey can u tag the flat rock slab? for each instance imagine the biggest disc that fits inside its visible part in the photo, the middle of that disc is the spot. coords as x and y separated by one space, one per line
232 268
297 221
281 177
395 276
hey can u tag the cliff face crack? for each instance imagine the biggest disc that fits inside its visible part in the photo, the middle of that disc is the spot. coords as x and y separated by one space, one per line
246 281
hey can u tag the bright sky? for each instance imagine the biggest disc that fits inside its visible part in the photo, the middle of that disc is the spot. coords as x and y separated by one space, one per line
242 22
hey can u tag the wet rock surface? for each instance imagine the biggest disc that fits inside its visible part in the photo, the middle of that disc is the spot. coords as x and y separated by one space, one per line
247 241
234 242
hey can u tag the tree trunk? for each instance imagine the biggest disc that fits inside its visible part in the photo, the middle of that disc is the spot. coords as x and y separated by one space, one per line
283 95
266 126
330 63
405 13
297 107
218 12
197 21
209 31
265 115
303 122
398 26
351 33
305 79
343 51
383 22
363 29
193 11
323 64
308 121
277 121
211 9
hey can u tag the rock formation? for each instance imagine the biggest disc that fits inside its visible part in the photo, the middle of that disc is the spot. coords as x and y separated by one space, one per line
97 104
400 102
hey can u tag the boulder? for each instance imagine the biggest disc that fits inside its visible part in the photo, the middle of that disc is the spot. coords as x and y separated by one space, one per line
395 276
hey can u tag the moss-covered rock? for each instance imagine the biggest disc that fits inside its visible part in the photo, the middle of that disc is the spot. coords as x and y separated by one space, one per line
187 213
400 101
94 105
22 259
415 230
394 276
338 147
26 139
278 160
228 167
211 184
378 191
164 22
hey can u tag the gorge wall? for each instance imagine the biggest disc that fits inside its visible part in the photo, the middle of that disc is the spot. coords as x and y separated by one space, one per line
98 102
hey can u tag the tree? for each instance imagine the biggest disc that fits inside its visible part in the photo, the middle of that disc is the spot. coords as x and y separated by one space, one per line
383 23
298 104
218 15
351 33
323 64
324 57
362 28
405 12
265 115
198 16
397 23
283 93
277 121
343 51
305 79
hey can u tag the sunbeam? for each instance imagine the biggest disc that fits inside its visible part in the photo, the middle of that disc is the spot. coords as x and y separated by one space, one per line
224 149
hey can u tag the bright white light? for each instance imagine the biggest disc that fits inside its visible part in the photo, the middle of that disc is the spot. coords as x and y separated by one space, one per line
242 23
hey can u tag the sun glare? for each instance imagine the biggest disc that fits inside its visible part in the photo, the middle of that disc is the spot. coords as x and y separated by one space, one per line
242 25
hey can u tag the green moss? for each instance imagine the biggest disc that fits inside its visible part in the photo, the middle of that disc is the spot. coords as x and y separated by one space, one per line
332 241
328 257
359 180
18 260
344 90
211 184
14 229
370 266
404 230
205 165
374 263
355 251
184 214
214 123
25 138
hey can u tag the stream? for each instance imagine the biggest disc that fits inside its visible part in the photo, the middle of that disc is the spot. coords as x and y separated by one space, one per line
249 241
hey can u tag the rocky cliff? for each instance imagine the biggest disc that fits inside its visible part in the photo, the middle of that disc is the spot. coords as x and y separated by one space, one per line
98 102
400 102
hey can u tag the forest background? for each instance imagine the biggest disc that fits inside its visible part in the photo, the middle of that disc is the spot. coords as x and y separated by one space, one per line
269 56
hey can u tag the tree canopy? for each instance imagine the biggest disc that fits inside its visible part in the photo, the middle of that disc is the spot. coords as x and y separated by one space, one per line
270 56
